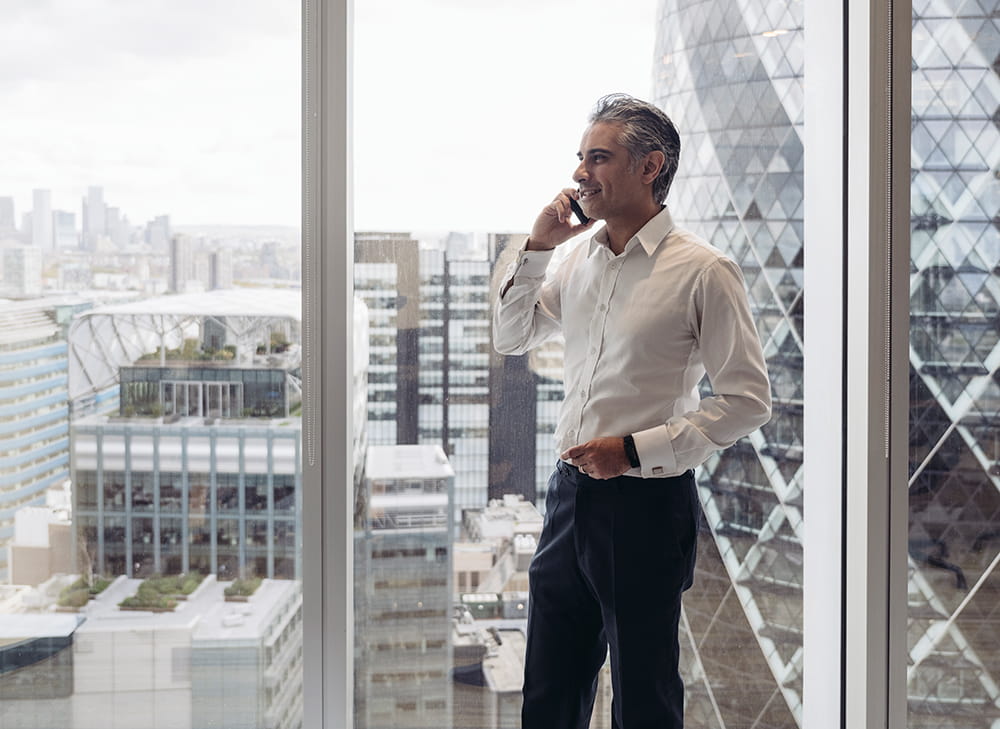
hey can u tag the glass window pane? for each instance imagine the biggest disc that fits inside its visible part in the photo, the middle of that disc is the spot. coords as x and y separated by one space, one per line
731 76
954 465
149 241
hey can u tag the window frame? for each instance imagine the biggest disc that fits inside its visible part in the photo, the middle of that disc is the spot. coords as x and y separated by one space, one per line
857 199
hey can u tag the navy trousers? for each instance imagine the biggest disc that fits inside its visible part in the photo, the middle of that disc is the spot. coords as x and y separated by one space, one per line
612 561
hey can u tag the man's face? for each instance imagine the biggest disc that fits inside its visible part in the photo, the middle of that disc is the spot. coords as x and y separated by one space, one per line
610 185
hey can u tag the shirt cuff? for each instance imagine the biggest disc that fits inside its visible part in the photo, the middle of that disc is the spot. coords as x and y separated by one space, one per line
532 264
656 453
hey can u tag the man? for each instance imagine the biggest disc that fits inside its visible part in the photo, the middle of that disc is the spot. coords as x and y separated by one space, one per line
646 310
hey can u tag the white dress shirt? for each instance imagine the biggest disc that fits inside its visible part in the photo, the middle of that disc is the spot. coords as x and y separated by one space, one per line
642 329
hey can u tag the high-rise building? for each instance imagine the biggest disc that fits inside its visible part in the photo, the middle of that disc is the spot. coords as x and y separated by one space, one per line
94 218
198 466
64 230
8 223
41 220
731 76
158 234
220 270
954 464
34 414
403 590
434 376
181 263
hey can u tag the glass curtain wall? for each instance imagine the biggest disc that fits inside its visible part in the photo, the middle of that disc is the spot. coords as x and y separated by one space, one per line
954 485
731 74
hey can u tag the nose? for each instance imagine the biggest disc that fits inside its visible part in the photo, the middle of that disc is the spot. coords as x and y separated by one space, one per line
580 174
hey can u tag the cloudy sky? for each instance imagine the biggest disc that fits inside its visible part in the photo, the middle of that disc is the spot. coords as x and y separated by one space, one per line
467 114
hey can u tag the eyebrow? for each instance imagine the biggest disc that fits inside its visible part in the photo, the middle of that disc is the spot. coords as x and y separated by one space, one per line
595 150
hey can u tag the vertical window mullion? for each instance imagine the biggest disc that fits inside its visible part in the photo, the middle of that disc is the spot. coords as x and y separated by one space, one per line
327 283
877 357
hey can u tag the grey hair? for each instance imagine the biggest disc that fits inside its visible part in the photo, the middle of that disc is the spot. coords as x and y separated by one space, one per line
644 129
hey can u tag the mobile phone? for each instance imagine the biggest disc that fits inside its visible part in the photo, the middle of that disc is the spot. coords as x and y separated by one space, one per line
578 211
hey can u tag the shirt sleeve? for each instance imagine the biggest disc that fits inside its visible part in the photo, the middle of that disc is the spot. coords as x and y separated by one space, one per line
719 314
528 313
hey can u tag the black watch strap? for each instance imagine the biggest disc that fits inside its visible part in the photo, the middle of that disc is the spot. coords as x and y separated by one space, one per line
631 452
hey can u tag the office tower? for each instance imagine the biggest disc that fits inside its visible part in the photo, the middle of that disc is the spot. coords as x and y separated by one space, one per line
220 270
200 468
118 228
733 86
403 590
526 394
34 417
22 271
181 263
41 220
94 218
64 230
8 223
954 469
731 75
434 377
158 233
387 279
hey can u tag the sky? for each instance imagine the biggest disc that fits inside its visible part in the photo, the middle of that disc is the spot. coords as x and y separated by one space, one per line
467 113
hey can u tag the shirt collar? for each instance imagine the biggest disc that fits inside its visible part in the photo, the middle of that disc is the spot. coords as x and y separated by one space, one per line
650 236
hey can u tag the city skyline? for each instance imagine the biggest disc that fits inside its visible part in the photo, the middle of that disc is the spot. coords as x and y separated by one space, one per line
204 119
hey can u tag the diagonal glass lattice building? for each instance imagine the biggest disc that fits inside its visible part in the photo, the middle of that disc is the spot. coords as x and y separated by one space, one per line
731 75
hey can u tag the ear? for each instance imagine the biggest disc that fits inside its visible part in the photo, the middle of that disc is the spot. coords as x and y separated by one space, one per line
652 165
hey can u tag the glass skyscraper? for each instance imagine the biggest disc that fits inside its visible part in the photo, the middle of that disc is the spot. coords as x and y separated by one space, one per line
731 75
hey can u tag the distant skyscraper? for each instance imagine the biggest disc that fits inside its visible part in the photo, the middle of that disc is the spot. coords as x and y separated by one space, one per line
41 220
64 230
94 218
220 266
118 228
8 223
181 263
158 233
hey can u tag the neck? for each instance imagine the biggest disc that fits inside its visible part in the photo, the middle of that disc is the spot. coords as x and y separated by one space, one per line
621 230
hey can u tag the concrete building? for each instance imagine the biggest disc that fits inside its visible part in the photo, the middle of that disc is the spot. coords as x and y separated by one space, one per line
42 544
207 663
22 271
403 590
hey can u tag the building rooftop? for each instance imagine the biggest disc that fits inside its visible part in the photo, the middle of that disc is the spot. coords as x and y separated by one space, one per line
205 612
396 462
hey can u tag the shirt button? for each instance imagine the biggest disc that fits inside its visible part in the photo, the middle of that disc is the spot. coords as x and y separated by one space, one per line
593 350
583 393
602 307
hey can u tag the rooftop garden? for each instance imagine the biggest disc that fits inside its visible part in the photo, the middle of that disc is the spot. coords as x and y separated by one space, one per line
159 593
79 593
